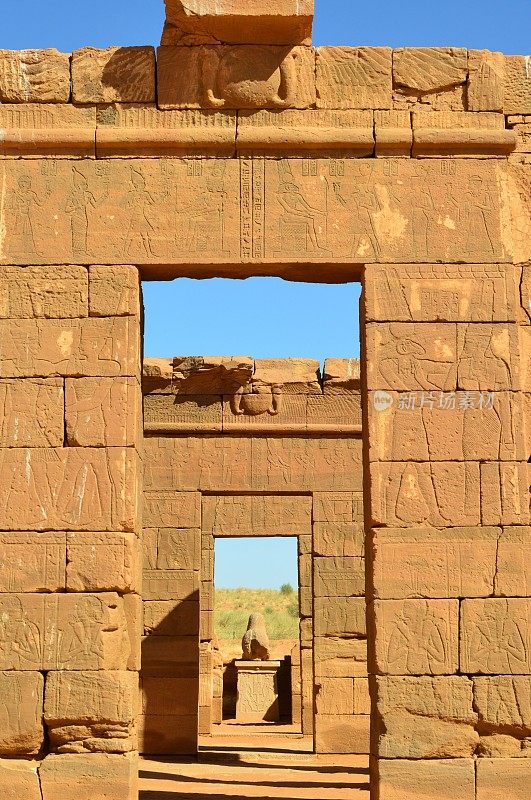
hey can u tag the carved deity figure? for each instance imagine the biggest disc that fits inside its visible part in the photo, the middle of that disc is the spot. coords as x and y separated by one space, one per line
22 204
255 642
20 638
77 207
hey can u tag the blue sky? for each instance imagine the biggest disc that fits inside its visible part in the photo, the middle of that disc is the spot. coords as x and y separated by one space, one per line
264 317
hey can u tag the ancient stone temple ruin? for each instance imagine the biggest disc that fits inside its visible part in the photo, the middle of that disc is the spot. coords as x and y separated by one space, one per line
235 150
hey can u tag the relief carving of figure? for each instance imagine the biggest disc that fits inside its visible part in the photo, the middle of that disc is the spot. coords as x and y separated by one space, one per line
418 641
77 206
205 223
255 642
480 366
22 203
81 642
499 642
249 78
139 203
303 228
480 221
20 638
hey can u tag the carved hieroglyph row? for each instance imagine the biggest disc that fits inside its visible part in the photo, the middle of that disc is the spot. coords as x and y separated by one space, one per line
232 210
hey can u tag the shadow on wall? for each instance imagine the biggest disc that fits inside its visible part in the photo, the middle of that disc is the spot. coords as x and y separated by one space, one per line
170 669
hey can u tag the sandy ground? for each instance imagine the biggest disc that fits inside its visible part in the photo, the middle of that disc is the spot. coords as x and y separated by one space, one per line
252 762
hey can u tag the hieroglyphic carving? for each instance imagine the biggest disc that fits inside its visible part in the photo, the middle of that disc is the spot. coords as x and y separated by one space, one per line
31 562
496 636
59 631
226 515
385 209
504 700
31 413
417 637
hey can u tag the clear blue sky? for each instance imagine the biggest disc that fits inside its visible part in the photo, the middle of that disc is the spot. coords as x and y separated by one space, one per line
264 317
255 562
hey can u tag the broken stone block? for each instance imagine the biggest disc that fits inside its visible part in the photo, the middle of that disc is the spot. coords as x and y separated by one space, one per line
294 375
103 562
103 412
114 75
341 375
32 562
517 85
458 562
91 711
445 779
215 22
114 291
43 292
241 76
503 778
504 703
33 412
486 81
496 636
429 69
21 705
417 637
426 717
342 733
354 77
96 776
19 779
34 76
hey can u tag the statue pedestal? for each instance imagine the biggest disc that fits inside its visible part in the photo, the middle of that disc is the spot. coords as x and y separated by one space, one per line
257 699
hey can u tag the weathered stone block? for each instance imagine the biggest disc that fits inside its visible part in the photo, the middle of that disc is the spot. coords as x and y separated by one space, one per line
341 375
91 347
114 291
103 562
193 463
423 780
418 494
339 577
496 636
503 703
34 76
257 515
458 562
331 539
43 292
103 412
283 22
505 493
338 507
150 543
19 779
179 549
60 631
517 85
91 711
160 735
354 77
426 718
342 733
294 375
21 730
32 562
416 637
169 697
166 584
32 413
513 565
440 292
114 75
244 76
339 658
486 80
167 509
430 69
446 426
340 616
90 777
172 617
503 778
335 696
69 489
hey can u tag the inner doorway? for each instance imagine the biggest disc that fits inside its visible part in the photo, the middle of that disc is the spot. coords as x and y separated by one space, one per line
259 678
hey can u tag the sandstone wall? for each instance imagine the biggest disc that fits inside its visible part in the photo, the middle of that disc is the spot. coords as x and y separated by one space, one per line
242 448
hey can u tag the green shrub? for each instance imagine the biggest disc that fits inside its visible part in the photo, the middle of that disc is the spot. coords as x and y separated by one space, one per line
286 588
